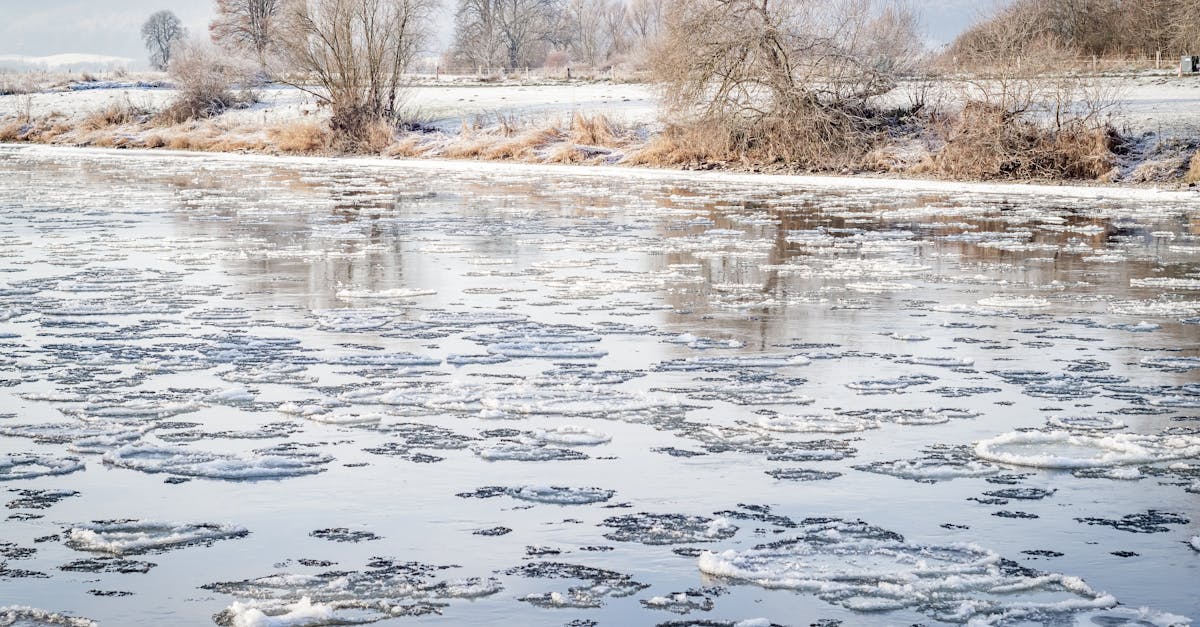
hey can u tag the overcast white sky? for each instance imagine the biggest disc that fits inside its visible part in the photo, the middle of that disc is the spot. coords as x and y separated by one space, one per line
111 27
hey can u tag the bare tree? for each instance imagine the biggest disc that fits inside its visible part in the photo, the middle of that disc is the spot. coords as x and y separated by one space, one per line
160 31
1087 27
356 51
513 33
246 25
643 24
793 79
477 38
593 29
204 76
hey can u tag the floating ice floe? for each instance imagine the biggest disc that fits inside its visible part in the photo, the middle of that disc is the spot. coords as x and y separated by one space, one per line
180 460
1155 308
870 569
549 350
385 360
657 529
898 384
1166 283
148 408
354 320
944 362
24 616
735 362
27 466
748 388
1086 423
133 537
386 589
558 495
347 418
815 423
302 613
880 287
682 602
937 463
573 401
1013 302
1178 364
472 318
1063 449
600 584
515 451
571 435
388 294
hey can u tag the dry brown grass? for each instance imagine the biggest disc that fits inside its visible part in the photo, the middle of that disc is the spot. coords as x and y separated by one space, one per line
55 130
569 153
179 141
593 131
524 146
12 131
409 146
1193 173
101 139
154 140
300 137
690 145
115 114
466 146
987 142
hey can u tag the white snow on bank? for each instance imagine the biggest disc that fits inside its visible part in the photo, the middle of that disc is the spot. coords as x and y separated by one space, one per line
1030 190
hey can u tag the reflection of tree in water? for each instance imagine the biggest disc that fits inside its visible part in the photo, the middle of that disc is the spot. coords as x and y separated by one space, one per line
275 218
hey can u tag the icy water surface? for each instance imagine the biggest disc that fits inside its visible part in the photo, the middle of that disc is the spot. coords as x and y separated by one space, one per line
309 393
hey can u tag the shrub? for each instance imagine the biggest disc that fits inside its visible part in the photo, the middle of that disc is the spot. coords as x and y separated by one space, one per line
985 141
204 77
356 51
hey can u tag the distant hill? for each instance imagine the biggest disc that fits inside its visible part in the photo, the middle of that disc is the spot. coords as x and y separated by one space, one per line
70 61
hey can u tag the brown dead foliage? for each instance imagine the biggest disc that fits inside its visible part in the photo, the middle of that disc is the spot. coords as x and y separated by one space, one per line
1193 173
988 142
300 137
114 114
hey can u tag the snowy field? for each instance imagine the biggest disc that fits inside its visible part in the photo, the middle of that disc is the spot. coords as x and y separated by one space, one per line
446 105
1149 102
270 391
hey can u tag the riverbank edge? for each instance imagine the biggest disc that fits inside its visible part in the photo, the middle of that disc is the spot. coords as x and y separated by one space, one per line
1096 191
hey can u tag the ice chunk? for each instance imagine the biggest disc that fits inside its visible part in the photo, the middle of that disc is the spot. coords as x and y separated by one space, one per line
816 423
1062 449
558 495
657 529
571 435
132 537
23 616
867 568
27 466
180 460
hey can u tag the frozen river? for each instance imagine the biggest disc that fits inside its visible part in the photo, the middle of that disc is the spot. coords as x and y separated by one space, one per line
303 392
